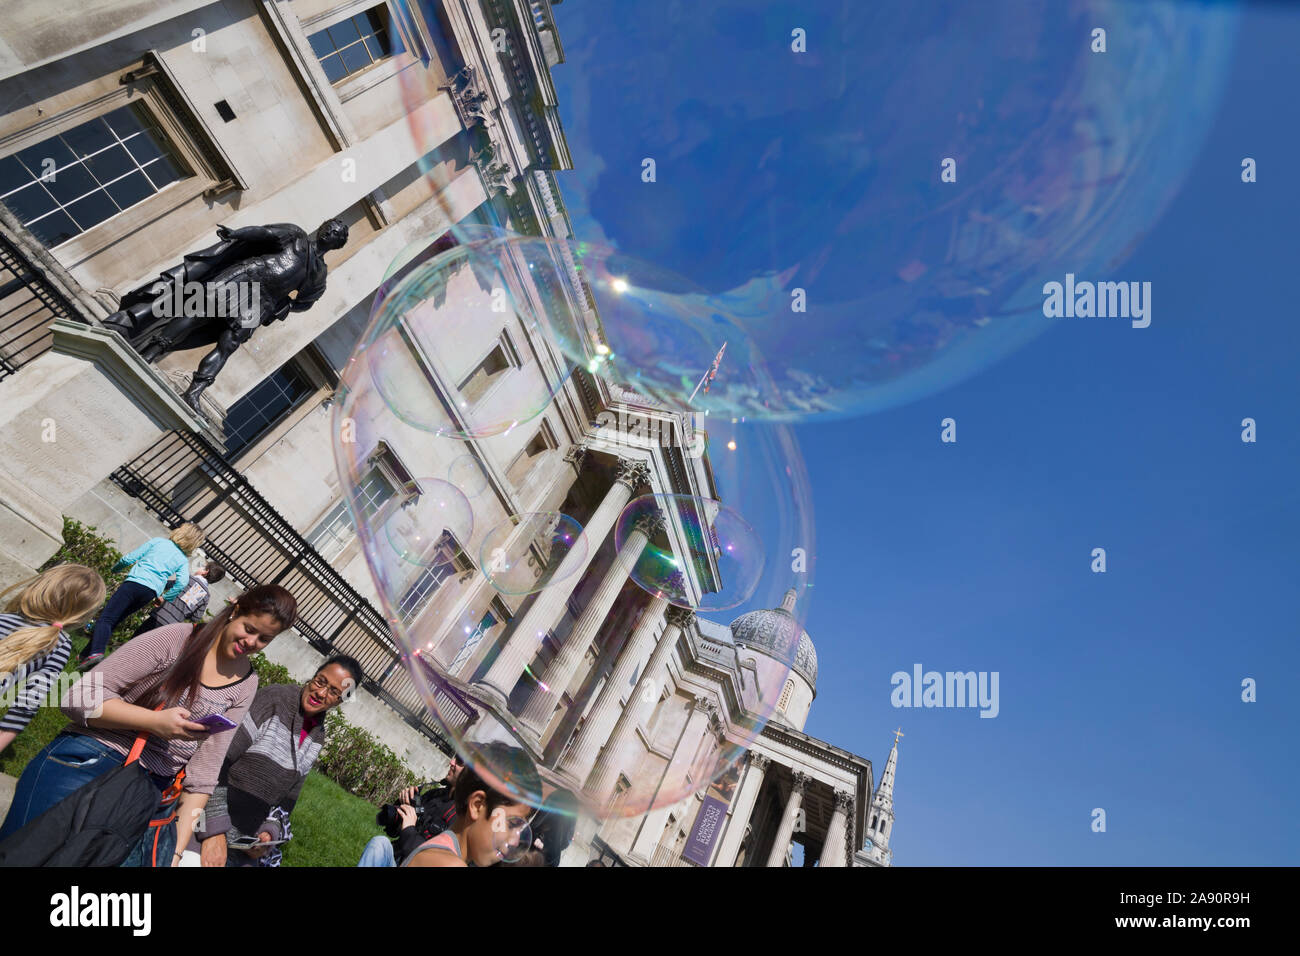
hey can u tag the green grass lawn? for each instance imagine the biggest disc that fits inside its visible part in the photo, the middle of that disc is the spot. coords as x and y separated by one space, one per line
330 826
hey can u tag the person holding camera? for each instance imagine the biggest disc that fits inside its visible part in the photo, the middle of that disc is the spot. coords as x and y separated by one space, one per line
420 814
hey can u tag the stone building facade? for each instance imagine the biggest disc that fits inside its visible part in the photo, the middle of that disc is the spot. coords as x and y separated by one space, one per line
127 135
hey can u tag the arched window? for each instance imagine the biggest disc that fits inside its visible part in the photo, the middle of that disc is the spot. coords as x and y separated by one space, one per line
873 822
785 695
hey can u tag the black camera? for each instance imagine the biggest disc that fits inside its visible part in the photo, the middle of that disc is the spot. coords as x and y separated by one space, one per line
392 823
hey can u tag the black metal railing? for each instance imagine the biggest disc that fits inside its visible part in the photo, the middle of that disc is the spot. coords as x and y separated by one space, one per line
28 304
182 477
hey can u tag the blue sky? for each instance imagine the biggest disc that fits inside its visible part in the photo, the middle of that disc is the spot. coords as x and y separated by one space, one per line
1118 690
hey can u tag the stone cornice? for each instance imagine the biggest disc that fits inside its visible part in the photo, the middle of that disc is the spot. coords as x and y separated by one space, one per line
141 382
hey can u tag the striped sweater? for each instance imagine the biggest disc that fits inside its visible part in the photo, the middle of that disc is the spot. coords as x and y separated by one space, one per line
268 761
25 689
134 669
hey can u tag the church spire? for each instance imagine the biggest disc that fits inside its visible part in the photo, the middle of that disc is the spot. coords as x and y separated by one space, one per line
880 818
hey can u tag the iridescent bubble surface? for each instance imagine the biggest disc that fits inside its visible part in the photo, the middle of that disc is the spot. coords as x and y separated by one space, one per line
528 552
739 481
677 531
788 160
444 348
431 518
466 473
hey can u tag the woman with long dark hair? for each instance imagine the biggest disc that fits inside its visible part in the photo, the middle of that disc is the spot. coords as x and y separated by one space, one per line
162 684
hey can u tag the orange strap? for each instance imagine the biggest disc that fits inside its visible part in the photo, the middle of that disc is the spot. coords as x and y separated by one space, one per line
174 789
137 748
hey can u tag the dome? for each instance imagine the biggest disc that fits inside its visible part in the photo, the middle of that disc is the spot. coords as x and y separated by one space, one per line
772 632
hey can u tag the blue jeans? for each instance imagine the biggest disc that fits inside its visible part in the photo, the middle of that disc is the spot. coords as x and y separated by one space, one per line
378 852
66 764
126 600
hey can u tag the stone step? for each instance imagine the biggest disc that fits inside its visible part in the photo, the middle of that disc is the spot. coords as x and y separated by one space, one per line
7 786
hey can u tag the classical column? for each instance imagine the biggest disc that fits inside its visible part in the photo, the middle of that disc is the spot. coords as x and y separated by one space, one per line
783 834
833 849
548 607
600 783
578 759
555 678
477 598
741 809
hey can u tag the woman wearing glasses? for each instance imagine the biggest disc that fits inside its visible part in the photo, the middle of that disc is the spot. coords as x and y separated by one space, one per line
247 819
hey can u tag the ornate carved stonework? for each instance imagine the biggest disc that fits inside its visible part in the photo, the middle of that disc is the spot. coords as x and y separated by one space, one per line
632 473
472 103
679 617
650 524
760 761
843 801
496 175
801 781
576 454
468 97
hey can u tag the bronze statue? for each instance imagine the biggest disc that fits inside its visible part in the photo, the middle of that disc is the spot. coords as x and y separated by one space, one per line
222 294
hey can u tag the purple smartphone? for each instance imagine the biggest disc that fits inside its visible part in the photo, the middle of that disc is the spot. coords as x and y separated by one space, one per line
216 723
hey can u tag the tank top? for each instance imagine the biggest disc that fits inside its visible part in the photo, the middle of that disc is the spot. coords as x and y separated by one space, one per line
446 840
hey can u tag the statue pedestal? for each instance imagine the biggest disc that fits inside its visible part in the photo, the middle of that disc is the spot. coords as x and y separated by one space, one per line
67 421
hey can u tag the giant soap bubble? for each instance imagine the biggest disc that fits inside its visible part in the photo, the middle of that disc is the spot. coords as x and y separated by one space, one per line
787 159
566 675
445 347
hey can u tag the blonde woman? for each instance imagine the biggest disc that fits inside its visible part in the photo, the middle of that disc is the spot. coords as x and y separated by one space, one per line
152 565
33 645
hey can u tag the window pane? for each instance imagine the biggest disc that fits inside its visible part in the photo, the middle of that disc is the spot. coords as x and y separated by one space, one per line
258 411
88 138
13 174
92 210
163 172
355 58
111 164
71 183
344 33
147 145
54 149
53 229
124 121
321 44
375 47
30 203
334 69
384 43
129 191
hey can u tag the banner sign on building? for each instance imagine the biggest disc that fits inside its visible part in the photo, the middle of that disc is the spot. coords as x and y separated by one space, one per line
713 814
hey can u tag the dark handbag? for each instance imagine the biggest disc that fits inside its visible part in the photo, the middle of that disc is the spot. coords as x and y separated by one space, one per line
98 824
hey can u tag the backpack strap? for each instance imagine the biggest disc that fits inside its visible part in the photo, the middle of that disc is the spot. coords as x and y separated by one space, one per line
137 748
